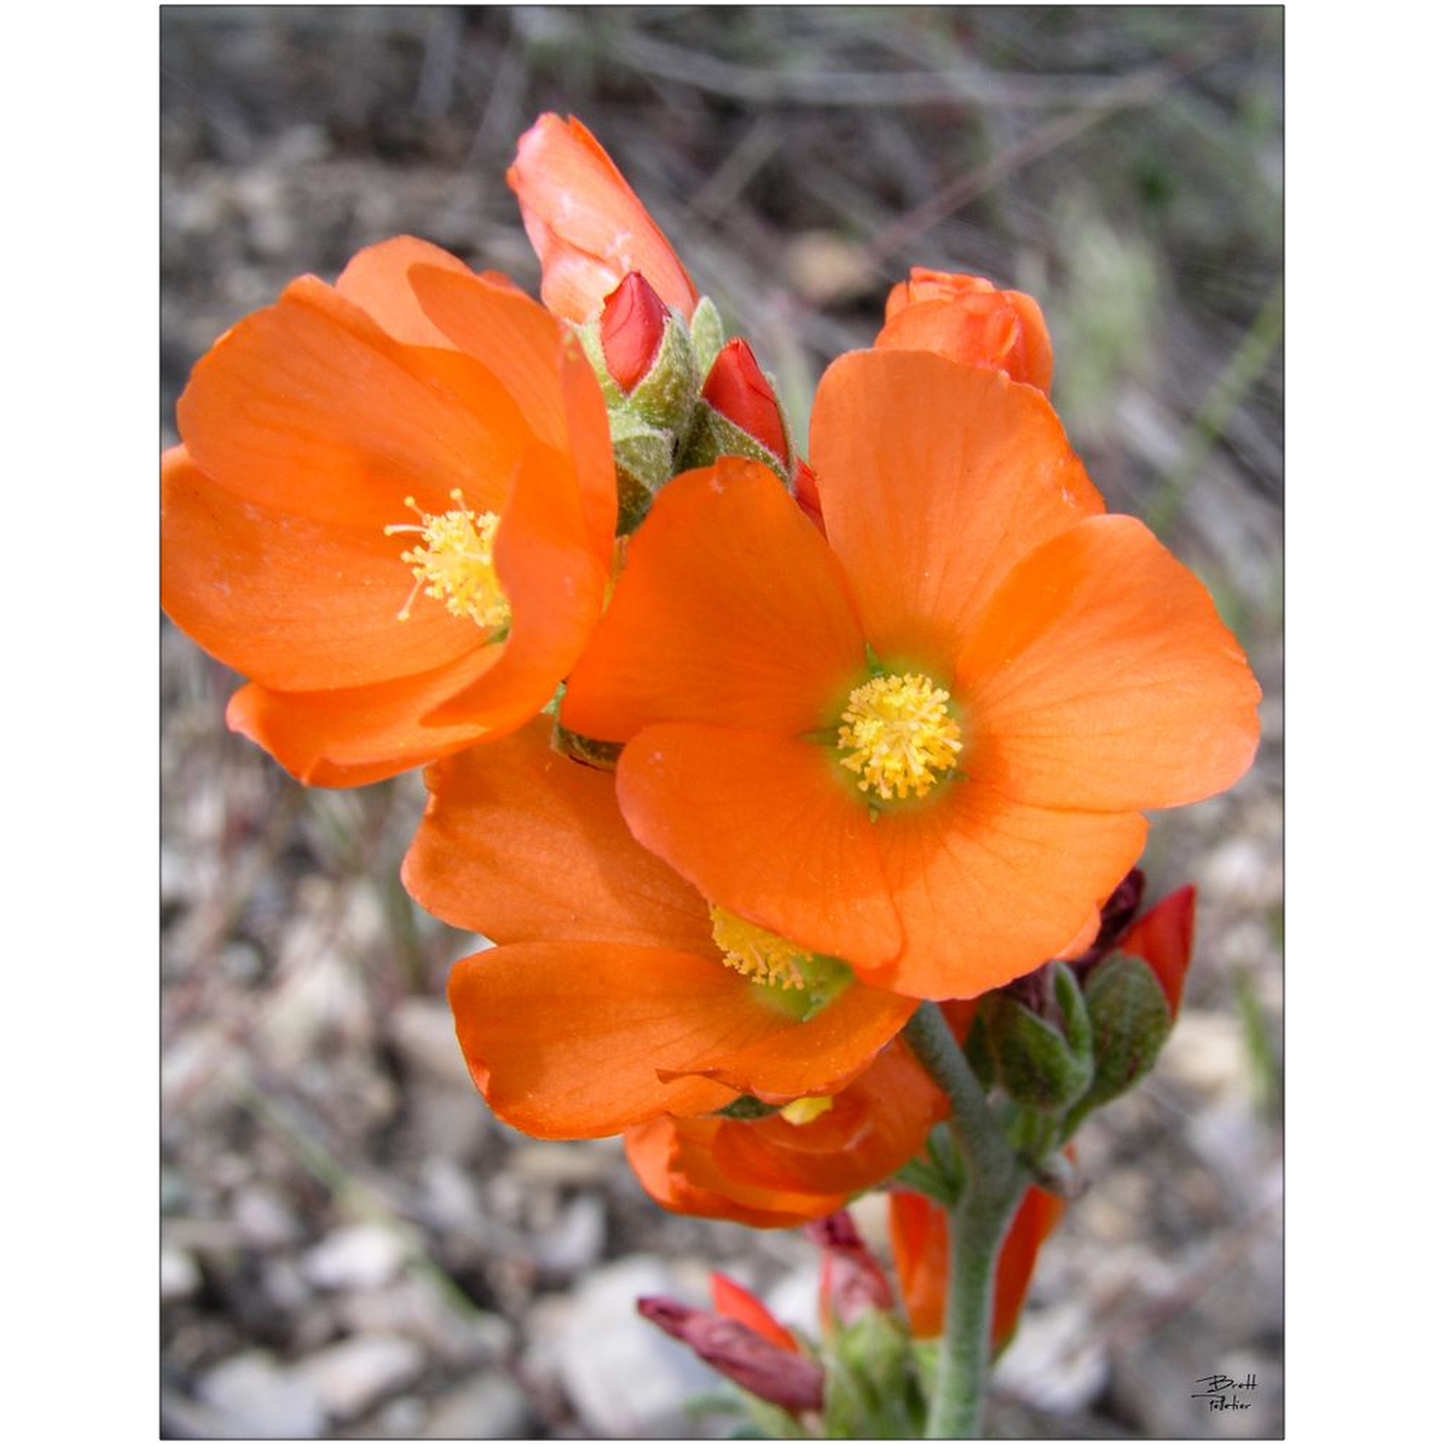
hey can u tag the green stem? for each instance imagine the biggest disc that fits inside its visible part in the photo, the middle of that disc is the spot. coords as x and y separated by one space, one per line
978 1222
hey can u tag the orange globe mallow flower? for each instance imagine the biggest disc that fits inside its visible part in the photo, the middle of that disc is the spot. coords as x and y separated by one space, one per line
919 1231
968 319
616 994
802 1163
586 223
921 745
392 511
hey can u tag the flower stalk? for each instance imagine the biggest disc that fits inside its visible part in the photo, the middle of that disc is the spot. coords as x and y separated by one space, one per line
994 1183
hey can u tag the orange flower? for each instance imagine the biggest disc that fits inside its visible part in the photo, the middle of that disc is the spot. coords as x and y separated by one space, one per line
966 319
920 746
586 223
617 995
393 512
800 1164
919 1230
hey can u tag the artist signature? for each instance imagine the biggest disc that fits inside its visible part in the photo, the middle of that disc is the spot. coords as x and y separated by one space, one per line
1220 1391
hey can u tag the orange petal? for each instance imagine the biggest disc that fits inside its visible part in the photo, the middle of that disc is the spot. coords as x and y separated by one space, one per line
375 280
522 844
733 1302
566 1040
730 611
555 583
696 1157
761 825
776 1058
586 223
987 888
290 602
652 1150
311 408
936 478
344 737
874 1127
1101 677
1034 1221
519 343
919 1232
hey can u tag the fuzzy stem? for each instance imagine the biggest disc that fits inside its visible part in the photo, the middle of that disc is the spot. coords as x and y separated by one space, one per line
978 1222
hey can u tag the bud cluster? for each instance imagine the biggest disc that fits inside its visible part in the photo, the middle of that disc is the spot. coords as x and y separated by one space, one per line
678 394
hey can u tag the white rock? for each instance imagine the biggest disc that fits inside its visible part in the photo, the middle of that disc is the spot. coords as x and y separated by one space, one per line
180 1277
489 1407
360 1257
626 1378
263 1217
1055 1362
577 1238
259 1399
353 1375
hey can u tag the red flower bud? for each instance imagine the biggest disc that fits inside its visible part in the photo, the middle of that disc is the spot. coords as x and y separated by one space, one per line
1164 938
852 1280
737 389
633 319
790 1380
733 1302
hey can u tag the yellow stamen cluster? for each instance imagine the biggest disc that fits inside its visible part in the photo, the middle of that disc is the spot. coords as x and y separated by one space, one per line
756 953
898 734
804 1111
453 563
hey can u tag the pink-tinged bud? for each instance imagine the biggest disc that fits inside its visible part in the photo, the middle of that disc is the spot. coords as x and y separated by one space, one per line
633 320
790 1380
733 1302
852 1281
737 389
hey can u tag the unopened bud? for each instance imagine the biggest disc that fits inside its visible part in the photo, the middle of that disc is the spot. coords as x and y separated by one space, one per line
633 321
737 389
1131 1019
1037 1033
852 1281
791 1381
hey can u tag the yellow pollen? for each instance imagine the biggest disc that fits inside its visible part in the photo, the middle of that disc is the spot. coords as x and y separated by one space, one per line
453 563
804 1111
757 954
898 735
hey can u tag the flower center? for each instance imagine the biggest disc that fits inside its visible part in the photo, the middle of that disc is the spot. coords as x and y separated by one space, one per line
757 954
898 735
453 563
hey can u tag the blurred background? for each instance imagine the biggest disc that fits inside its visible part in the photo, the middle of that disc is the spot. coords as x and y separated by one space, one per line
350 1245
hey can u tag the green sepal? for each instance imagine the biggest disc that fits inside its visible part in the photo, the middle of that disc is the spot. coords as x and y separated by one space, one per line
1037 1065
873 1391
589 333
714 436
1130 1018
643 456
708 335
665 397
592 751
746 1107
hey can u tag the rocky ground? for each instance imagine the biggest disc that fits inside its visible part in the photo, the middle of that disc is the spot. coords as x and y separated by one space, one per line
351 1246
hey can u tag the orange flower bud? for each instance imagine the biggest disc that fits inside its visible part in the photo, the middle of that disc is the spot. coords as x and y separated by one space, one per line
737 389
965 318
633 320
